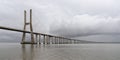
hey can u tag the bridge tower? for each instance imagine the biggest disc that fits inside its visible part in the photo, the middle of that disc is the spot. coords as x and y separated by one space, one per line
31 29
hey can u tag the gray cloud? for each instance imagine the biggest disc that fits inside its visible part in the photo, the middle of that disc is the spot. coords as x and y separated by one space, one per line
69 18
87 25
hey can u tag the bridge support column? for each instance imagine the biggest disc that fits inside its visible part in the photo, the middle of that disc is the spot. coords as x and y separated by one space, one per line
43 39
70 41
39 39
31 29
53 40
57 40
36 38
48 39
62 41
24 34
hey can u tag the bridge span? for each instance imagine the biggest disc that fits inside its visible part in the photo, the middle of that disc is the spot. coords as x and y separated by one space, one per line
39 37
47 39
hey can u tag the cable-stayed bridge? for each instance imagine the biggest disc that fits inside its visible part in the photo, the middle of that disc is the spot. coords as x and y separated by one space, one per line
39 37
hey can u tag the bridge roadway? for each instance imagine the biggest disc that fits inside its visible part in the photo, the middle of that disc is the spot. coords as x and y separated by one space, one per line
66 40
18 30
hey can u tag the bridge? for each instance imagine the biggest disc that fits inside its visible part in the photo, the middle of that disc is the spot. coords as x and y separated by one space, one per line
39 38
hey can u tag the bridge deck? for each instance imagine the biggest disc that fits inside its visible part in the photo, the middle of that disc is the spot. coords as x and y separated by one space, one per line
18 30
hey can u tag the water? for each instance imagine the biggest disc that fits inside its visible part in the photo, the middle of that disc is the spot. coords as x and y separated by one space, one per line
16 51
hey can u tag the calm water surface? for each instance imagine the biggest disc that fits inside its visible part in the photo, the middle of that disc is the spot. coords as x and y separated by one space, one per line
16 51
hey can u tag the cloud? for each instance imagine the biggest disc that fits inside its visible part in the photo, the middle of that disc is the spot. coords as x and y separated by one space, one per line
84 25
69 18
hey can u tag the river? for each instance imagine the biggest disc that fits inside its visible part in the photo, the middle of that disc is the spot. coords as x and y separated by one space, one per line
16 51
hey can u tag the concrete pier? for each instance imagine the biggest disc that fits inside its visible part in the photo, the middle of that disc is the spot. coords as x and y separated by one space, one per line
39 39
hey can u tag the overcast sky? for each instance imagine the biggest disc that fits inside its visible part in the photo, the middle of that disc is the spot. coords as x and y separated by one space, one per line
94 20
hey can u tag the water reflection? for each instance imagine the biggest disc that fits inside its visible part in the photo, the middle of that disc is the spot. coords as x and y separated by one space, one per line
28 54
62 52
23 52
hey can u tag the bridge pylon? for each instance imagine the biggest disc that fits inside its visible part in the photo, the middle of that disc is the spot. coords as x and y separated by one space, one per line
31 29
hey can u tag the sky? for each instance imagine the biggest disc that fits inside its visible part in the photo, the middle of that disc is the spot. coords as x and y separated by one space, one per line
92 20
